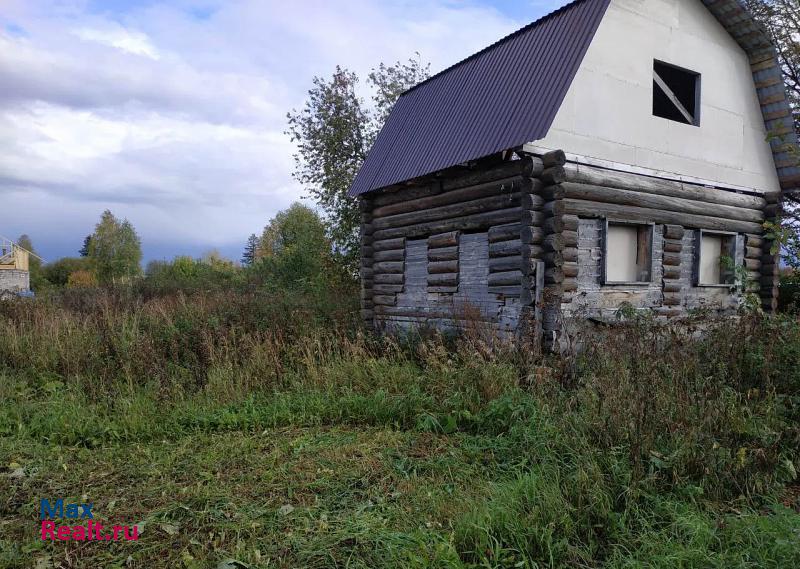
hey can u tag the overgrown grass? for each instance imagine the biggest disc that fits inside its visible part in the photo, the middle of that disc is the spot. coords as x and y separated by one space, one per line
271 431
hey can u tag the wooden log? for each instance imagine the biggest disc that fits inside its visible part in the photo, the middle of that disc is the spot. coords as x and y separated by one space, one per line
455 179
496 188
569 285
438 267
674 232
553 276
530 201
560 223
443 279
752 264
504 232
754 241
389 255
554 158
553 175
672 299
654 201
384 299
387 288
467 223
531 251
532 218
389 267
505 278
752 252
670 285
507 290
501 264
570 270
668 312
647 184
672 272
390 278
443 254
672 259
585 208
446 212
553 242
772 211
449 239
673 246
505 248
533 235
570 238
389 244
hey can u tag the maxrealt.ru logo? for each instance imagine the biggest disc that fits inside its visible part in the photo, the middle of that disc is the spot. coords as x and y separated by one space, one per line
90 531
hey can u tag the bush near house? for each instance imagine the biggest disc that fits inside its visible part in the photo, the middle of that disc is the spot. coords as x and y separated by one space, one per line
264 428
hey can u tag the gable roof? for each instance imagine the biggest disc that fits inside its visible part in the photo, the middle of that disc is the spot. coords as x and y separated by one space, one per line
509 93
503 96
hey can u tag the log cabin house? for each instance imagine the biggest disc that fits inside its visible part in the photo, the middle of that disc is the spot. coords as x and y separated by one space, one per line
614 151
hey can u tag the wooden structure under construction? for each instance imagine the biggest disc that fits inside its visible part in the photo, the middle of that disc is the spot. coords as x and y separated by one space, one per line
571 168
14 268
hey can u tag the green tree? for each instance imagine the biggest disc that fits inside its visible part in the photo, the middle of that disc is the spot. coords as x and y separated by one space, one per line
333 134
249 255
57 273
84 251
294 250
38 281
115 250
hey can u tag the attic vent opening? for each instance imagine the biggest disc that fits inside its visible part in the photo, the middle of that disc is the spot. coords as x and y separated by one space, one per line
676 93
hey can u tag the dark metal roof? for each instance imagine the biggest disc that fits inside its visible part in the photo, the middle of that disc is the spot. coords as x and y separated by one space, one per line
499 98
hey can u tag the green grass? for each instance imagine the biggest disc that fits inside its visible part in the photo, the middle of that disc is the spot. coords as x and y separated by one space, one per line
235 439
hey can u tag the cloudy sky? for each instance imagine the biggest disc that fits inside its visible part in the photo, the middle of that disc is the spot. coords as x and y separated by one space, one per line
172 113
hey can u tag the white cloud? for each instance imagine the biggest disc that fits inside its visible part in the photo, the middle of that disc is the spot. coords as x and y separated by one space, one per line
173 114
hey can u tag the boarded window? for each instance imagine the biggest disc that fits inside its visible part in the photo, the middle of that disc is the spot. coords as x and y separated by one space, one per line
627 253
715 254
676 93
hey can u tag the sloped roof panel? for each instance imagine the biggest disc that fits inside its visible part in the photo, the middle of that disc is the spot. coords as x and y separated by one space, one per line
498 98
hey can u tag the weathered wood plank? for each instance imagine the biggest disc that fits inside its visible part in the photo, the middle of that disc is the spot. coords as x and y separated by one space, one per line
389 244
672 259
466 223
388 267
504 232
607 195
387 288
443 254
505 248
505 278
501 264
384 300
553 175
587 208
389 255
674 232
627 181
438 267
389 278
460 209
443 279
449 239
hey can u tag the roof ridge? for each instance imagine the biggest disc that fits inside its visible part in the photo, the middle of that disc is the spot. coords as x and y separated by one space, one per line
502 40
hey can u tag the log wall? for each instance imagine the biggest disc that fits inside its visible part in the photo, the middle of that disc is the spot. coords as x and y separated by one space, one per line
522 243
450 249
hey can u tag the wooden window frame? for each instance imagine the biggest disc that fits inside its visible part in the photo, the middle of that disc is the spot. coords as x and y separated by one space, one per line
651 241
691 120
733 238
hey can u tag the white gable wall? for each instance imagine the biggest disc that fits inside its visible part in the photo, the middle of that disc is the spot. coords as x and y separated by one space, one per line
607 113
